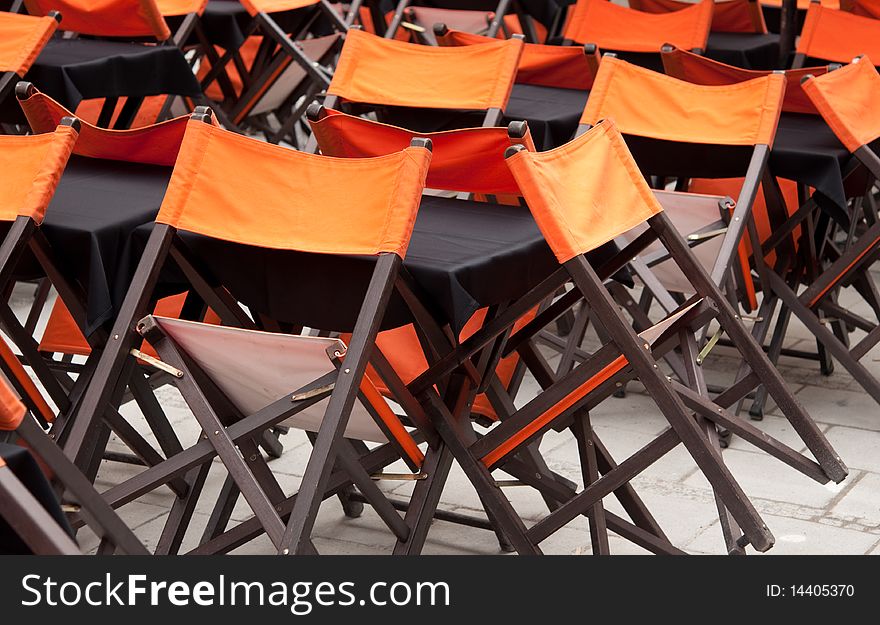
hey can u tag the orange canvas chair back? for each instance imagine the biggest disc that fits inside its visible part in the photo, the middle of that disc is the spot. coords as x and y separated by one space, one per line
743 114
728 16
847 100
157 144
468 160
22 37
803 5
11 409
106 18
564 67
701 70
373 70
30 169
837 35
274 6
176 8
314 210
865 8
584 193
614 27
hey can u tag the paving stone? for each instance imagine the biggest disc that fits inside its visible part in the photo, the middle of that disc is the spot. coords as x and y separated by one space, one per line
862 501
860 449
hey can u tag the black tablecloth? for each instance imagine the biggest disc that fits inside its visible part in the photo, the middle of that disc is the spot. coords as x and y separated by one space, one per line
463 256
807 151
26 469
746 50
72 70
553 114
89 222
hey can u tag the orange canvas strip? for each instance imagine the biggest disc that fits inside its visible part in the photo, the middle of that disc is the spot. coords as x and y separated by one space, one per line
613 368
374 70
821 294
745 113
156 144
865 8
176 8
242 190
728 16
395 427
565 67
803 5
469 160
614 27
22 37
584 193
106 18
273 6
701 70
11 408
30 169
847 100
838 36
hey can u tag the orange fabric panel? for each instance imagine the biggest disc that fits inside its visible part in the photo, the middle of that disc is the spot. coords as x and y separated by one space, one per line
847 100
403 350
565 67
614 27
838 36
865 8
468 160
30 169
648 104
106 18
272 6
22 37
395 427
728 16
803 4
731 187
382 71
90 110
613 368
700 70
11 409
63 336
174 8
13 364
157 144
239 189
584 193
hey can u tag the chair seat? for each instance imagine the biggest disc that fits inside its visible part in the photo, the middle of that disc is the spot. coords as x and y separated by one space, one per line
256 368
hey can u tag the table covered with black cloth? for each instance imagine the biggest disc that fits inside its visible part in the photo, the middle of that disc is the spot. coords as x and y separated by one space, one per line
96 207
805 150
72 70
20 461
746 50
462 256
553 114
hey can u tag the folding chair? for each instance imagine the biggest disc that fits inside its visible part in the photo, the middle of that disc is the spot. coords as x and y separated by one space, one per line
845 99
286 58
390 76
467 162
23 37
781 230
572 192
106 165
486 17
636 35
831 35
41 531
865 8
118 38
383 211
728 16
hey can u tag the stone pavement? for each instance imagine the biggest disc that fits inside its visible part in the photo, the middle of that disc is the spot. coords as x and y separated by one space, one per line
805 517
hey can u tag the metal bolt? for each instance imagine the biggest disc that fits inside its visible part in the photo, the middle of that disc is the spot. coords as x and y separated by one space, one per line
253 457
538 476
216 432
646 346
286 552
115 337
348 371
618 384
